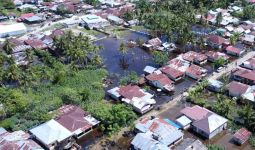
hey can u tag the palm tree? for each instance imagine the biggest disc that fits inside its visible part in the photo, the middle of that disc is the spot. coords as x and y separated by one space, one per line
219 18
8 46
234 37
123 50
248 115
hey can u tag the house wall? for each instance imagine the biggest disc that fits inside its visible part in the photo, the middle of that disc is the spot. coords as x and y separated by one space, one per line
190 75
156 84
214 45
212 134
232 53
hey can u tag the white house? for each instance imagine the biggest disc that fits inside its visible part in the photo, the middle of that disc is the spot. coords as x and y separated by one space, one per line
94 21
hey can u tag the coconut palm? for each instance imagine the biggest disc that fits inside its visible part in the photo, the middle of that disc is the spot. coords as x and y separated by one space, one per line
8 46
248 115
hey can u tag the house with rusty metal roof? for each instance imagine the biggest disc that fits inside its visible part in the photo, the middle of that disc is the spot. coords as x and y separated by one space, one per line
212 56
160 130
139 99
76 120
195 72
160 81
237 89
194 57
205 122
17 140
241 136
216 41
172 73
249 64
234 51
243 75
179 64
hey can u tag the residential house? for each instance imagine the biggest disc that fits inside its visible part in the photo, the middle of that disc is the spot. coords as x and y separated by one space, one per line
143 141
191 144
249 64
241 136
25 16
115 20
249 95
212 56
57 33
194 57
179 64
36 43
234 51
216 41
153 44
196 72
161 81
205 122
172 73
248 39
244 75
141 100
76 120
184 122
149 69
52 135
34 19
93 21
17 140
160 130
236 89
215 85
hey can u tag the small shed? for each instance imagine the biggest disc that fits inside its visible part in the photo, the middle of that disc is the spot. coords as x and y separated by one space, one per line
241 136
184 122
149 69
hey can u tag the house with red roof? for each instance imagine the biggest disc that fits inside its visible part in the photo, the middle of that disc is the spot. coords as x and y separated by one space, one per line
244 75
194 57
160 81
36 43
195 72
179 64
212 56
216 41
237 89
139 99
249 64
241 136
234 51
172 73
76 120
204 122
25 16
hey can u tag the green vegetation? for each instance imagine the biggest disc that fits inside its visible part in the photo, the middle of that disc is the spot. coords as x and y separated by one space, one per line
249 12
62 10
160 58
223 106
215 147
219 62
131 78
252 141
31 94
